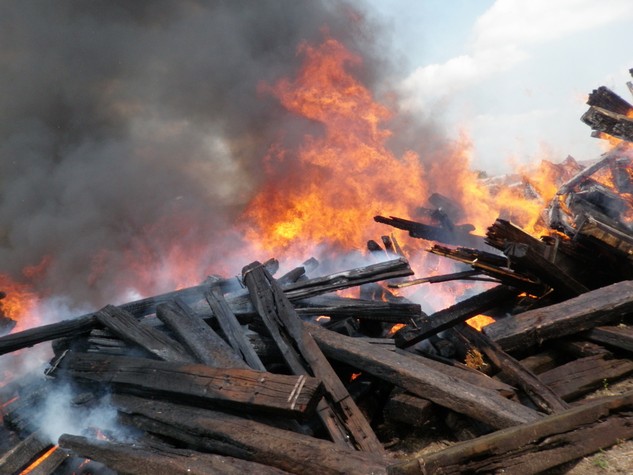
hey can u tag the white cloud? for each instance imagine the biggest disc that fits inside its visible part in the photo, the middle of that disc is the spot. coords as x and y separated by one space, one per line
502 38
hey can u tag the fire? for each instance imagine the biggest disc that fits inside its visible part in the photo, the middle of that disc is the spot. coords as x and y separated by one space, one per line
480 321
39 461
328 190
19 304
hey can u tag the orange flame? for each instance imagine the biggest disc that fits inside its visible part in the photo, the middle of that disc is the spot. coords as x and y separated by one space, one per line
480 321
39 461
19 304
339 179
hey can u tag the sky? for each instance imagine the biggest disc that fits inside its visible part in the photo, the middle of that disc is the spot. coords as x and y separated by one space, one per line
513 75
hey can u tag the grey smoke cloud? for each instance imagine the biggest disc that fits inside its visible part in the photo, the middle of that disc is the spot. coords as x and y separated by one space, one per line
120 121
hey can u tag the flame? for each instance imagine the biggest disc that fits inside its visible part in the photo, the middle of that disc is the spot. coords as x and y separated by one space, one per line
480 321
328 190
39 460
19 304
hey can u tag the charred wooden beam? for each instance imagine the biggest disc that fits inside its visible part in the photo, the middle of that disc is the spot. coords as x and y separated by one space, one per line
612 336
534 447
224 434
232 329
607 99
523 257
198 337
434 279
350 278
303 356
460 312
341 307
240 303
33 336
153 460
580 376
500 272
447 234
128 328
595 308
482 404
610 123
543 397
26 451
48 462
241 388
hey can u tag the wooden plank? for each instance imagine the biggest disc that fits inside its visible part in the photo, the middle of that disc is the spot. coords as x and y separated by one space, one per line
52 331
287 330
350 278
613 336
235 387
524 257
409 409
143 460
482 404
534 447
543 397
224 434
595 308
198 337
579 377
48 462
27 450
126 327
233 329
458 313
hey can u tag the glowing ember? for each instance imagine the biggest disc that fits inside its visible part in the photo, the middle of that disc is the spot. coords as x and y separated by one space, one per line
39 461
480 321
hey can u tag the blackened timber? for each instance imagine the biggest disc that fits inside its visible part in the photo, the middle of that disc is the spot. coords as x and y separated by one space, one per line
48 463
153 460
607 99
482 404
224 434
27 450
232 329
613 336
350 278
591 309
128 328
458 313
525 258
235 387
434 279
304 356
342 307
499 272
33 336
456 235
534 447
543 397
240 304
605 121
198 337
583 375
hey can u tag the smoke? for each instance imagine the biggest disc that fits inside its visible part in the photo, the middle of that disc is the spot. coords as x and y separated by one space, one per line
132 132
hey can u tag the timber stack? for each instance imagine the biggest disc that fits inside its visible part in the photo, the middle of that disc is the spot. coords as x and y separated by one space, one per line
265 374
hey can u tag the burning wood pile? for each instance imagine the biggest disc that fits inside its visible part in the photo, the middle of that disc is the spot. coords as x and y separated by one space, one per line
264 374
